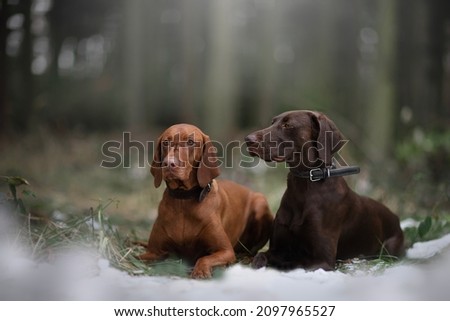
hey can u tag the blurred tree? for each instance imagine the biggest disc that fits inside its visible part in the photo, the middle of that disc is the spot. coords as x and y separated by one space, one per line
201 61
77 80
190 69
439 57
3 71
220 92
422 56
339 57
381 101
267 68
18 87
25 91
134 61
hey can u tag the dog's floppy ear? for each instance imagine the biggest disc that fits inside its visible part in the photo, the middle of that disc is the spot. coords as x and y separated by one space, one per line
155 168
208 168
329 138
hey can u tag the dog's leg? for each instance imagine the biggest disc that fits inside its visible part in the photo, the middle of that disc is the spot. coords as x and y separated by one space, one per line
204 265
395 245
220 252
139 243
279 242
258 227
157 249
260 260
152 256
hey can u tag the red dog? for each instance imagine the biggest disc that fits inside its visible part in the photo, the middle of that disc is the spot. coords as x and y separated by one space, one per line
200 219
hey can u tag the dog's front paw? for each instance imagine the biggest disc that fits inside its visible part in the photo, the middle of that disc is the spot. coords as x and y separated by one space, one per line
201 271
260 260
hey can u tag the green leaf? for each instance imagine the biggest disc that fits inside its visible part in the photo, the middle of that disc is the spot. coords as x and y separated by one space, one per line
29 193
424 226
15 180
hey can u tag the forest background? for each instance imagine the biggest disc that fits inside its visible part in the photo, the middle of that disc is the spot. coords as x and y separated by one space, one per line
77 74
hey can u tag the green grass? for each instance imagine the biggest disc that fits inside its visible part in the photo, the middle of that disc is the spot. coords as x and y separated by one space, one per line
95 232
92 233
364 266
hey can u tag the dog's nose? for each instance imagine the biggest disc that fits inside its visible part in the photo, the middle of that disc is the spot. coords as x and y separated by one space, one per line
251 139
169 162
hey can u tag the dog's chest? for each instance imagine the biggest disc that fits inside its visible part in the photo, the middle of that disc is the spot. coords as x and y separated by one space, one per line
183 224
304 205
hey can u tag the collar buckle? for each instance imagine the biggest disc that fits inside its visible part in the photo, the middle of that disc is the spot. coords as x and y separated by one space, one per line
318 177
204 192
318 174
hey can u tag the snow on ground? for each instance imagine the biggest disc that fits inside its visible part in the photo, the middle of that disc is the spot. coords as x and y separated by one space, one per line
82 276
78 275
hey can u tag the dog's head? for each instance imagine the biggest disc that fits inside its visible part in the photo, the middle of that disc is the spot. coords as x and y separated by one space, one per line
184 157
300 138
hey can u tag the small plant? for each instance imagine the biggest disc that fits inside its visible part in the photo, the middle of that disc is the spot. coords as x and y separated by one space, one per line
92 232
368 265
363 266
14 182
431 227
122 253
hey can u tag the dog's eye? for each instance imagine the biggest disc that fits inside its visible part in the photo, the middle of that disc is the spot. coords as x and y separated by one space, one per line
165 143
190 142
286 126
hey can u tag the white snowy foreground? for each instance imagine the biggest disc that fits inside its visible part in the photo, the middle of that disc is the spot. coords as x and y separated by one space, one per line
80 276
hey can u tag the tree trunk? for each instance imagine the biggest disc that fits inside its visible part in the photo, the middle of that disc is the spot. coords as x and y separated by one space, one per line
381 111
190 70
439 34
268 67
25 92
221 79
415 86
3 71
134 63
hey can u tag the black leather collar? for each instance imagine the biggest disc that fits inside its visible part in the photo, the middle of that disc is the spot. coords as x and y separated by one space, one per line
199 193
318 174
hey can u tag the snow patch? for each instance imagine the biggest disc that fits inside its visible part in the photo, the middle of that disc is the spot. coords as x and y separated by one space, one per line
81 275
425 250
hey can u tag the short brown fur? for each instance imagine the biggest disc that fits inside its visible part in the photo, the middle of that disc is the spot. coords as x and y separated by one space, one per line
206 233
319 222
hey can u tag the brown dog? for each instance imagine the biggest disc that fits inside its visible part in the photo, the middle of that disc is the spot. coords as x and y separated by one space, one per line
200 219
320 218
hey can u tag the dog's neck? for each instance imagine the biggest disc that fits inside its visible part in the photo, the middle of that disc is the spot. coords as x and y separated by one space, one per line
188 189
310 158
197 192
304 164
183 184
